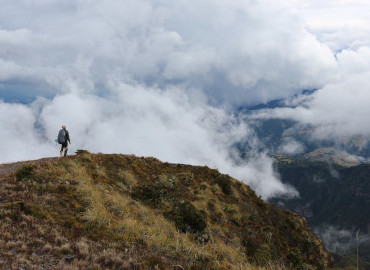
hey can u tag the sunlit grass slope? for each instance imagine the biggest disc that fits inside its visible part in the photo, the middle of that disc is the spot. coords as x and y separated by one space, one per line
125 212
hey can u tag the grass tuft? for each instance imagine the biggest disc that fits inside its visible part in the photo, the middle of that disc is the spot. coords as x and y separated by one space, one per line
25 173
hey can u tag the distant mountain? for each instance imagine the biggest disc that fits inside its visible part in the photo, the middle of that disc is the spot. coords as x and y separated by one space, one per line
276 134
333 156
126 212
332 177
286 136
332 197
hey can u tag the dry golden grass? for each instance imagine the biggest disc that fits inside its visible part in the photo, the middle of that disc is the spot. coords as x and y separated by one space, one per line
82 212
118 211
128 178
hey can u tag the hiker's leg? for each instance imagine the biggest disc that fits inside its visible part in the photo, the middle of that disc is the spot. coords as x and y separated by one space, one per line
66 150
61 151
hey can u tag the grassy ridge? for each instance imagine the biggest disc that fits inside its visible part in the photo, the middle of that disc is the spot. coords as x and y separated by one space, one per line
125 212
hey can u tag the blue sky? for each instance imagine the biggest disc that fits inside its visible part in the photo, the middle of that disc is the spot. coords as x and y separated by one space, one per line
162 78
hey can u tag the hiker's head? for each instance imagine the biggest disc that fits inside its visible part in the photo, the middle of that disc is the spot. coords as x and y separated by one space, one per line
63 127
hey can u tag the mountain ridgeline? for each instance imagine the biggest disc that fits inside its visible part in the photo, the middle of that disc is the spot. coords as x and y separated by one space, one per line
96 211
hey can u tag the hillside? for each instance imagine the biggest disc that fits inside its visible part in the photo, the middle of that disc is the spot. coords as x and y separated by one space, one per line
333 156
125 212
332 198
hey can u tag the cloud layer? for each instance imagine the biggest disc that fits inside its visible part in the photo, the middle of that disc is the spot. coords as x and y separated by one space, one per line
240 53
341 25
142 121
163 78
340 109
341 241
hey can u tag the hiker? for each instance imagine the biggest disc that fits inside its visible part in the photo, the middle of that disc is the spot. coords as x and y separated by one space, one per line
63 139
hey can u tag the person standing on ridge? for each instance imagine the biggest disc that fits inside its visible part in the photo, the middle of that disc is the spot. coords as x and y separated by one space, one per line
63 139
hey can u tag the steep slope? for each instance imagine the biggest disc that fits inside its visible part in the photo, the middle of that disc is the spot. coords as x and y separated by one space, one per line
126 212
329 193
331 196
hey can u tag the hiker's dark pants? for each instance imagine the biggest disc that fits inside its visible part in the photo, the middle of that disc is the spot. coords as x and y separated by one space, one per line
64 146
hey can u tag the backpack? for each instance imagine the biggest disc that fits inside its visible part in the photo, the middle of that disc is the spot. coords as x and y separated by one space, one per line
61 136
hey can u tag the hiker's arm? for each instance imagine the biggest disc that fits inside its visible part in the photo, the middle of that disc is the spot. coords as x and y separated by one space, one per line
67 137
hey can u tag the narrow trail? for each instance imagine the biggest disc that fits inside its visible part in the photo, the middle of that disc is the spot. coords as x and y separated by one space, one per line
8 168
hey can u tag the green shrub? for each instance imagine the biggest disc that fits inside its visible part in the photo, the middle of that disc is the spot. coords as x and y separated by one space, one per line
225 184
81 152
25 173
32 209
149 194
187 218
252 243
295 257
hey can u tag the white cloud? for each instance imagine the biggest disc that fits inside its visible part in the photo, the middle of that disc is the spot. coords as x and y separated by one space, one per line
339 24
340 109
139 76
290 146
354 61
20 140
142 121
239 53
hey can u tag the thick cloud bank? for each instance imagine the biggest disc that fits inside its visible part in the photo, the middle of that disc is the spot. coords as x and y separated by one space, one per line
143 121
242 52
162 78
341 108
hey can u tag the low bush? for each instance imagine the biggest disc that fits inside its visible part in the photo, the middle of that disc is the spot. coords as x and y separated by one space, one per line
25 173
148 194
225 184
295 257
187 218
81 152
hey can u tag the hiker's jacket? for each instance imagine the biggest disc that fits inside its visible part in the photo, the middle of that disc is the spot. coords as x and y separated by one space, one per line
67 136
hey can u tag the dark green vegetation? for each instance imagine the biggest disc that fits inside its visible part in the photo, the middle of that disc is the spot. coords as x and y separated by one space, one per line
26 172
331 195
125 212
